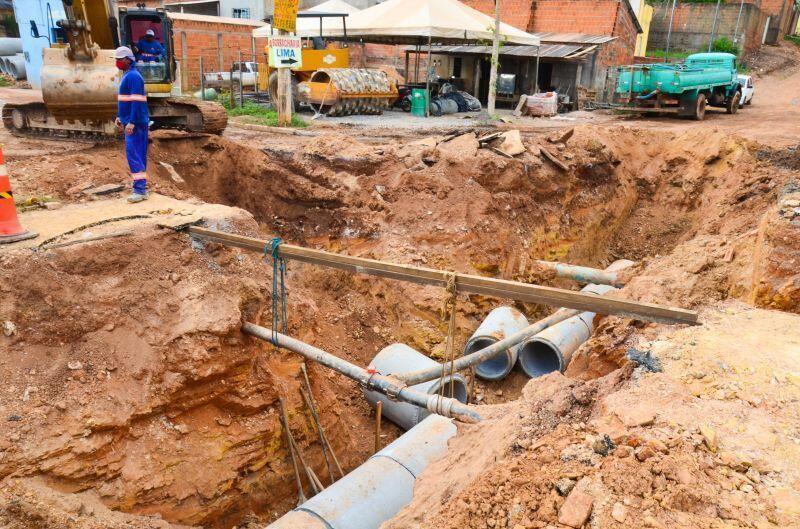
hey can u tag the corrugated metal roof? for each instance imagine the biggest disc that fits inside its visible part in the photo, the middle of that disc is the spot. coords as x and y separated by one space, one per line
573 38
552 51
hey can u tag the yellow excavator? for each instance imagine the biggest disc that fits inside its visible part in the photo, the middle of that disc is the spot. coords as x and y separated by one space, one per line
80 80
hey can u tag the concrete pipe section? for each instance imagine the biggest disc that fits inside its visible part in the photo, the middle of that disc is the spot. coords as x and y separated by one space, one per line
551 350
398 359
16 67
10 45
378 489
498 325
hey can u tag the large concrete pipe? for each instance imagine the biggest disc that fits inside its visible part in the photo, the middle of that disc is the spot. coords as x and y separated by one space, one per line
10 46
378 489
16 67
4 65
551 350
501 323
397 359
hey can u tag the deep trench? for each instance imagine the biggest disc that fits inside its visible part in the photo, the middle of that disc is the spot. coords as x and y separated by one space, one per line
597 214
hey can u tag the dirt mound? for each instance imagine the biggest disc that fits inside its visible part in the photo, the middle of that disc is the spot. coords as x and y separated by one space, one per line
632 449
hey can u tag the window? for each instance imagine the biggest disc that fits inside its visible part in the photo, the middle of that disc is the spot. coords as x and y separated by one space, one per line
241 12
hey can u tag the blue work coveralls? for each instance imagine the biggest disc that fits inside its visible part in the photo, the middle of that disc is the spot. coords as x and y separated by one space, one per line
149 51
132 108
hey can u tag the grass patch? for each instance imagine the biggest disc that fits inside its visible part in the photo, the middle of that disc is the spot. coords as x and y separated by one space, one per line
258 114
5 81
793 39
671 55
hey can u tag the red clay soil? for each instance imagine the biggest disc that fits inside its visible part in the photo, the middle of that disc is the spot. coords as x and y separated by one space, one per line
127 379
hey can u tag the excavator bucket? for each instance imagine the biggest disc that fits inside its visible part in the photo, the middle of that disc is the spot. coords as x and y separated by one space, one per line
347 91
81 91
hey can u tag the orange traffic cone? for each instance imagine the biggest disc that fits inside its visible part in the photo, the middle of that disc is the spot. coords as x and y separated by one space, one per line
10 228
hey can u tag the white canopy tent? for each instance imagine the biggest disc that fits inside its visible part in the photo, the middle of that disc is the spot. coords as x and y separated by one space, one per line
417 21
310 27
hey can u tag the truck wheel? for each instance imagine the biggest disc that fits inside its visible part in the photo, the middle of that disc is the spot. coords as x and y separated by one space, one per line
732 105
699 108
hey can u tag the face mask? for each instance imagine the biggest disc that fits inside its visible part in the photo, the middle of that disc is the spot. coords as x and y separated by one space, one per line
122 64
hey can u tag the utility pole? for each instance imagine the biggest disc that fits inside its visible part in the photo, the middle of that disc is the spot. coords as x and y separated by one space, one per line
669 31
495 59
714 27
284 19
284 106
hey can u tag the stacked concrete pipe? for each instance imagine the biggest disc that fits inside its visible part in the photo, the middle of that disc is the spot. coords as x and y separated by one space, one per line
378 489
501 323
398 359
12 60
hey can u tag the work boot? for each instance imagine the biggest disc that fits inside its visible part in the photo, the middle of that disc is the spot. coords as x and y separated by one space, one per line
136 197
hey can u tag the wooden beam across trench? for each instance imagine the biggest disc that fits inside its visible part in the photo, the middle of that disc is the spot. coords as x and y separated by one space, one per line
487 286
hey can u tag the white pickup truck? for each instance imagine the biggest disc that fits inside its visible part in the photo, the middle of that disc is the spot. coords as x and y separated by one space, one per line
244 71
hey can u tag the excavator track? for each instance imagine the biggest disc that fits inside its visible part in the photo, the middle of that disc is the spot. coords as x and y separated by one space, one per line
214 116
32 120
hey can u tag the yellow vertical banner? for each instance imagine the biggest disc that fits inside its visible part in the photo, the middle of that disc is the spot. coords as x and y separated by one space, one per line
285 16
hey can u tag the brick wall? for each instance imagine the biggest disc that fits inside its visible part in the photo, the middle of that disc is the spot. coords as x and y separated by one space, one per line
514 12
218 40
691 27
593 17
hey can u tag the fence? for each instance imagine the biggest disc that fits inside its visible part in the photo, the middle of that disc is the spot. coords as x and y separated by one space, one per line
240 75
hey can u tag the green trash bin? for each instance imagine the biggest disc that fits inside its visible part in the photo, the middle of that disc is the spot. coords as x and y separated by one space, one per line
419 101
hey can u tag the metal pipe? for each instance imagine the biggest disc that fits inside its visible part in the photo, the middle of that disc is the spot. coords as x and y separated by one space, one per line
501 323
738 19
378 417
388 386
465 362
202 80
301 496
399 358
378 489
714 27
322 442
585 274
552 349
669 32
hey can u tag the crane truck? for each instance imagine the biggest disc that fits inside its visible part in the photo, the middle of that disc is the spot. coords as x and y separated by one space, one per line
80 80
685 89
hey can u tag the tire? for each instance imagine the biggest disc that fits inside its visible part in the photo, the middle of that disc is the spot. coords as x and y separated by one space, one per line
732 105
699 111
273 90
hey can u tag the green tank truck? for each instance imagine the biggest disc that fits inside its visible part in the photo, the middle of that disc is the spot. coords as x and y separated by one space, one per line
685 89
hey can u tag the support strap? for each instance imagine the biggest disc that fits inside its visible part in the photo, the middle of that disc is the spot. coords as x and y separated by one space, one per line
278 288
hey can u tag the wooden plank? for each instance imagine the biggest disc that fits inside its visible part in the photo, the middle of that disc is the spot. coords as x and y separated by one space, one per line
552 157
465 282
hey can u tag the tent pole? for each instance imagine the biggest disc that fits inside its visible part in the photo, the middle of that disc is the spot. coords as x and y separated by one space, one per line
428 81
536 71
407 73
416 65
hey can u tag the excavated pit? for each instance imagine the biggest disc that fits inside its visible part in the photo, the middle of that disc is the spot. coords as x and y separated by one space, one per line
150 408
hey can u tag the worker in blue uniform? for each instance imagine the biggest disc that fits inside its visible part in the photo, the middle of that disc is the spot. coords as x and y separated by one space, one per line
149 49
134 118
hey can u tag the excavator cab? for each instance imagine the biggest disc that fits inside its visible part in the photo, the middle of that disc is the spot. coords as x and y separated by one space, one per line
159 71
